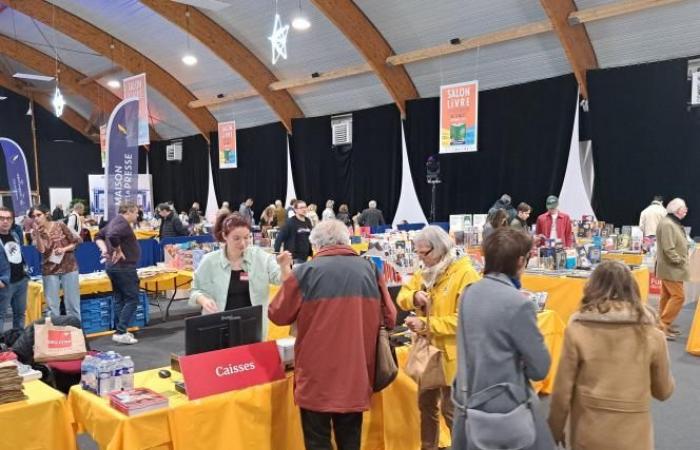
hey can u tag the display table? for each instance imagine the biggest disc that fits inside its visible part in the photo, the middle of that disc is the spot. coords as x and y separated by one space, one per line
565 293
140 234
631 259
160 282
43 422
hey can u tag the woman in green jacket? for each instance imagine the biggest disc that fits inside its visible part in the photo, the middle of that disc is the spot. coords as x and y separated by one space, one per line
238 274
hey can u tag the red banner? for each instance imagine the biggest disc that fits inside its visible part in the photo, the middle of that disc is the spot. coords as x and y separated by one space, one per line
231 369
136 87
228 154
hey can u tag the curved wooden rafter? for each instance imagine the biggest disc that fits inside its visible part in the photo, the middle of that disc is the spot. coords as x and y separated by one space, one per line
358 29
70 117
121 53
233 52
101 98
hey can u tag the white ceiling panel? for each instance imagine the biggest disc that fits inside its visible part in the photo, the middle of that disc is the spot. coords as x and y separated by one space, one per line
664 32
414 24
247 112
495 66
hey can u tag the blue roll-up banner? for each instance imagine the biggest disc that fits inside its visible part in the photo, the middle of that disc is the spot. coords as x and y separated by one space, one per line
17 175
121 173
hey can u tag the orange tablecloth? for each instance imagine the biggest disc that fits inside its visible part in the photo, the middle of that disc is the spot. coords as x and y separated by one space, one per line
632 259
565 293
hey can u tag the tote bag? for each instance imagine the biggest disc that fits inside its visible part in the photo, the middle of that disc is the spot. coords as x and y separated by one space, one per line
425 361
58 343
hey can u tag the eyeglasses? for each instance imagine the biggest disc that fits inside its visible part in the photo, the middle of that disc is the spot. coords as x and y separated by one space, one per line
5 218
425 253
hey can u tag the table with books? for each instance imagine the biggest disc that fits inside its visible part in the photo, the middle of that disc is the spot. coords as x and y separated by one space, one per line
151 280
565 292
629 258
42 421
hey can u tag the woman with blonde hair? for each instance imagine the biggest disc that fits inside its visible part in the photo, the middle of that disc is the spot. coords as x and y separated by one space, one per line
268 219
614 361
312 215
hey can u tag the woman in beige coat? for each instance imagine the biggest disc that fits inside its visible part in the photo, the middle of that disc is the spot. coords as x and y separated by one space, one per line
614 360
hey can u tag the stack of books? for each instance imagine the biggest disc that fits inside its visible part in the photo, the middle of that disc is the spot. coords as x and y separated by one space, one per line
10 383
136 401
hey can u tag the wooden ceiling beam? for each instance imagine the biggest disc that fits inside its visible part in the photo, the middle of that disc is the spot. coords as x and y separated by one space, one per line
231 51
223 98
362 33
122 55
104 73
102 99
616 9
574 40
70 117
320 77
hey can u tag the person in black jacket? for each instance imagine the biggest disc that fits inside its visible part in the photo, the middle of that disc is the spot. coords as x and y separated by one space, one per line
372 217
295 234
170 225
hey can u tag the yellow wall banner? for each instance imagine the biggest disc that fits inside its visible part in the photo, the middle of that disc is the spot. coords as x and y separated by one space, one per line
228 156
459 105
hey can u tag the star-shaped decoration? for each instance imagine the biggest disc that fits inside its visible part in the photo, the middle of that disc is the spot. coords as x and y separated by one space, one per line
58 102
279 40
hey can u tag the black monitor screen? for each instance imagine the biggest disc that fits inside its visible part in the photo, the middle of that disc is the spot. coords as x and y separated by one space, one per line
226 329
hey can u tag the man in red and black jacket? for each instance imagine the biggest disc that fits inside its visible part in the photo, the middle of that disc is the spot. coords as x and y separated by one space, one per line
555 224
338 301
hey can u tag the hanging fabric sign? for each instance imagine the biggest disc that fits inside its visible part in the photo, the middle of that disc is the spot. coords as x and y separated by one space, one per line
228 155
17 176
136 87
121 173
103 145
459 117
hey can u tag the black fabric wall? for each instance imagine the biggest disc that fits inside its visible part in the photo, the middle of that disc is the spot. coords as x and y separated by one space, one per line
645 140
262 168
182 182
369 170
16 125
523 147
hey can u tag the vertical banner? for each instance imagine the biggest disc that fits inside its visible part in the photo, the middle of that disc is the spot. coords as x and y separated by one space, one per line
122 169
228 156
136 87
17 176
459 117
103 145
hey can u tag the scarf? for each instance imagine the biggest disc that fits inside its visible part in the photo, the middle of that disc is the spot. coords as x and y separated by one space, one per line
431 274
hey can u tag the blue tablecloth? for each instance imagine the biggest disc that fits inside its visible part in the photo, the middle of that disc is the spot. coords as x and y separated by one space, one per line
88 256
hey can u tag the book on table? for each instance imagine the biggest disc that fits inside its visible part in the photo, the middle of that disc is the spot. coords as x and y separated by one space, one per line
137 401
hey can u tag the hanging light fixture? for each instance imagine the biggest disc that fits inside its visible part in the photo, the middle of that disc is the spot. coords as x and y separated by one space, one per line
114 84
188 59
278 38
300 22
58 102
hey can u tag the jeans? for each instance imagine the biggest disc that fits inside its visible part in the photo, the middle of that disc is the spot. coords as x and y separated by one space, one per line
14 295
70 282
125 288
347 428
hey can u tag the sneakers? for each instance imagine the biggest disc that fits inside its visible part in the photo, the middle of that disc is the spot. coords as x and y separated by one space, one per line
670 336
126 338
674 330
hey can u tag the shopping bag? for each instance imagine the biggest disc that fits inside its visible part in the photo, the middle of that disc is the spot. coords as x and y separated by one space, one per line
386 367
58 343
425 360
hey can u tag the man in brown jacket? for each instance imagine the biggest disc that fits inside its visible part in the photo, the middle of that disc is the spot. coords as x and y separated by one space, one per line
338 301
672 264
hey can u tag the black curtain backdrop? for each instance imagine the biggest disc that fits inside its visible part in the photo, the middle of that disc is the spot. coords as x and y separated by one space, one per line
523 146
368 170
262 168
15 124
182 182
646 140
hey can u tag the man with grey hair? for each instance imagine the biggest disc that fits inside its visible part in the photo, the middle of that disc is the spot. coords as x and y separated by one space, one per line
371 217
672 264
338 301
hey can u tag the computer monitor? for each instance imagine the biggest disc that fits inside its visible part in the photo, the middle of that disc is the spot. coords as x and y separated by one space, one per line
223 330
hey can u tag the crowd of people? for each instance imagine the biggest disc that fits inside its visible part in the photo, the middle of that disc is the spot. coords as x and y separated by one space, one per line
614 357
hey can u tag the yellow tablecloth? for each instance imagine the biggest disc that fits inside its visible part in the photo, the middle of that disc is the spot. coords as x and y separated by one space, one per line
43 422
264 417
693 346
632 259
361 247
565 293
35 291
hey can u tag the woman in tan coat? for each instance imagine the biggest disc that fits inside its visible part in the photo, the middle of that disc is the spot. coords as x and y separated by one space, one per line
614 360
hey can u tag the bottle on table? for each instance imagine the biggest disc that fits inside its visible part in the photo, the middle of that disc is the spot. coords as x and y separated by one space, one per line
127 374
